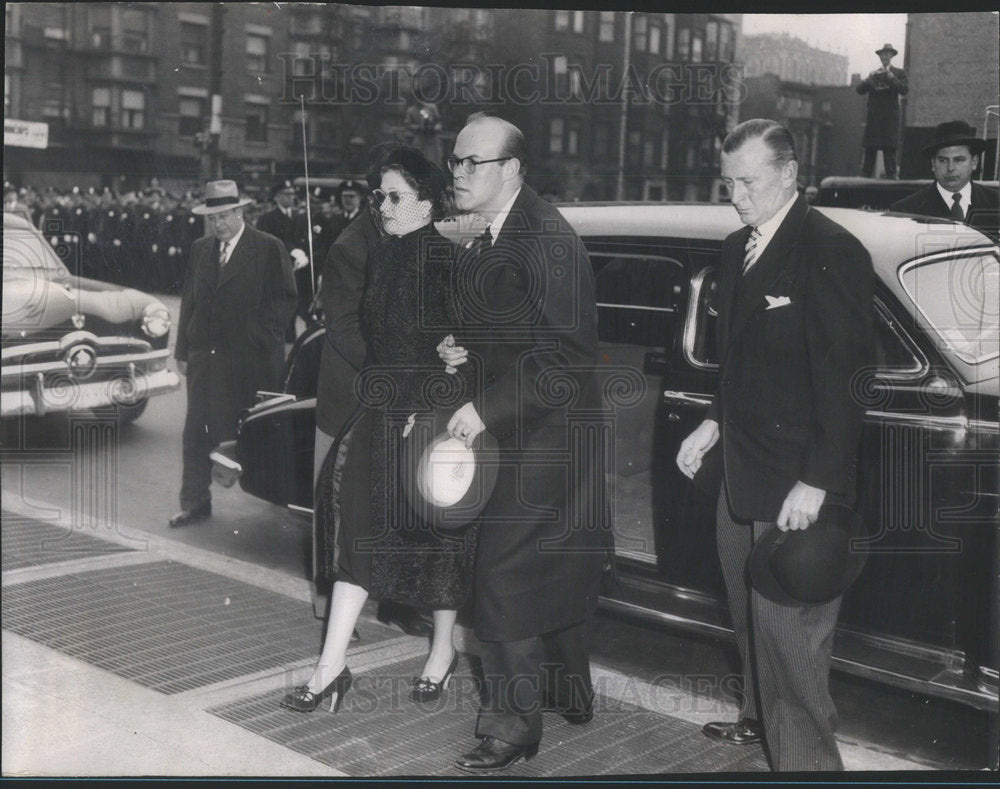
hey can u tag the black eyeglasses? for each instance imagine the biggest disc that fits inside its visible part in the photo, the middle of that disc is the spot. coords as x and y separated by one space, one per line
394 197
469 165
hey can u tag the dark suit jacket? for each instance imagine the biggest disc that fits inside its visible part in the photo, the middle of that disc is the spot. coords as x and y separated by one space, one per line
345 272
529 320
984 212
232 325
785 405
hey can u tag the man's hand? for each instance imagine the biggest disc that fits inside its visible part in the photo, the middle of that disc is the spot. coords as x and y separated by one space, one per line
182 367
465 424
801 507
452 355
695 446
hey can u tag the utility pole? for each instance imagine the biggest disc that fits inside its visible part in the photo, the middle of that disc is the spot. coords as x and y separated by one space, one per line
623 121
215 92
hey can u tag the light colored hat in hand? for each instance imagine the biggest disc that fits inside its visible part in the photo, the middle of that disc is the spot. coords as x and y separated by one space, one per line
221 196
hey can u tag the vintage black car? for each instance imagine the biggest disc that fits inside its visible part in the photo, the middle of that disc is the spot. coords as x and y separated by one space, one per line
71 343
923 614
875 194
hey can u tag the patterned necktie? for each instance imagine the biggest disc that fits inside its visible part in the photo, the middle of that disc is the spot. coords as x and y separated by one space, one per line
224 253
956 207
750 255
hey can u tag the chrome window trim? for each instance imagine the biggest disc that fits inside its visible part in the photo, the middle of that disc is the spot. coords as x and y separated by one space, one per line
689 320
918 356
610 306
952 254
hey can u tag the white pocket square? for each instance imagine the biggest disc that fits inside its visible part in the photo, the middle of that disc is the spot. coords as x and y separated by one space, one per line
773 302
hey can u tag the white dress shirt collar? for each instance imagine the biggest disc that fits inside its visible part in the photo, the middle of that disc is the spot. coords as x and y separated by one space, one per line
234 241
497 224
965 191
770 227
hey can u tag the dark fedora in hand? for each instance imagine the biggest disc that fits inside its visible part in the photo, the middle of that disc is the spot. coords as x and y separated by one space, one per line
446 483
810 566
955 133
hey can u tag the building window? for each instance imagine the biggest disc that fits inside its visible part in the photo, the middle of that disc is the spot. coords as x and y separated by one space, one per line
725 43
654 39
683 43
562 20
606 32
100 107
306 24
7 102
256 130
648 153
639 33
602 140
135 31
712 41
99 25
192 111
194 43
257 53
133 109
696 43
303 64
668 42
578 21
634 141
664 150
556 129
54 27
573 139
53 90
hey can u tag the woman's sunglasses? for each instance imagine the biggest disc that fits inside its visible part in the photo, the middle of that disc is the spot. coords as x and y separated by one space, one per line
394 197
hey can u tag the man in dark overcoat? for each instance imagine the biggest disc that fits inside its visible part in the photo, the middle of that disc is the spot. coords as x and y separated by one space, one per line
884 86
238 296
284 221
955 156
794 333
530 326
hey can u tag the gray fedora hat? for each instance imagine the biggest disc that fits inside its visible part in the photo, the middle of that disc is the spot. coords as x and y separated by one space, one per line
221 196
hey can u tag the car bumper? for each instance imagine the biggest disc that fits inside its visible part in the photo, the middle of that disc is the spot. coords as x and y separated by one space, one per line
35 399
225 468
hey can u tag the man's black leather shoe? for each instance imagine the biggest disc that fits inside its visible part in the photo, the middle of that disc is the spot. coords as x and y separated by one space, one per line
494 754
745 731
406 618
184 517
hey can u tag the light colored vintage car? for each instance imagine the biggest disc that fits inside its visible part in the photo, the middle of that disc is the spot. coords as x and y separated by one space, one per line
923 614
71 343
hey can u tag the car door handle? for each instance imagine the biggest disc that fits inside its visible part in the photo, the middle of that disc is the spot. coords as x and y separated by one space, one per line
686 398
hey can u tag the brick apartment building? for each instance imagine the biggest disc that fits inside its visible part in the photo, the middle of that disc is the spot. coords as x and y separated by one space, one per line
126 90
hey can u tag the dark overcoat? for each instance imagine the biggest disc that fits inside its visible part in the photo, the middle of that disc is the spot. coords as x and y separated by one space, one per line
791 349
882 122
232 325
984 210
529 320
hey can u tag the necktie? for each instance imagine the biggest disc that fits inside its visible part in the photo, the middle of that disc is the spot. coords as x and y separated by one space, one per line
956 207
480 241
750 255
224 253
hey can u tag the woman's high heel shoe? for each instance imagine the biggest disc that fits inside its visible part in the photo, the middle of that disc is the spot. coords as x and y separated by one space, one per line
301 699
424 689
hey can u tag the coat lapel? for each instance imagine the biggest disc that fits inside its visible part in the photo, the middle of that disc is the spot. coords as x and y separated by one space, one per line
776 257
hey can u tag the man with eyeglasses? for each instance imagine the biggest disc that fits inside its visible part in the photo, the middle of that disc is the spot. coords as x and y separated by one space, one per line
530 326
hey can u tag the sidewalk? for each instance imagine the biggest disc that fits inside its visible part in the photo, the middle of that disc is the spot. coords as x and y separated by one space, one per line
164 659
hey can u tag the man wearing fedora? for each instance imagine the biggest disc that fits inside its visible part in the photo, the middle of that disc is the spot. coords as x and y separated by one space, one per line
781 438
288 225
955 155
884 86
238 296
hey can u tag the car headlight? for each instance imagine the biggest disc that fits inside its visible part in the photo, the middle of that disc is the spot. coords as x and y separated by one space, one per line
155 320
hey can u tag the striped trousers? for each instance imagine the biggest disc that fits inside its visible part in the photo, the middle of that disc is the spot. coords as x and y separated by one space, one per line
785 653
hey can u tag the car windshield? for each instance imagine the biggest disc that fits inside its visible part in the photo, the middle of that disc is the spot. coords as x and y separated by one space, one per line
960 298
23 248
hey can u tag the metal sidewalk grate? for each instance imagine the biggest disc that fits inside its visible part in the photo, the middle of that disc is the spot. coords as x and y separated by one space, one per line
167 626
26 542
380 732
